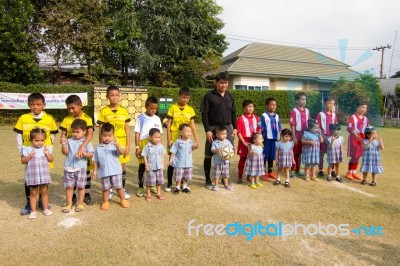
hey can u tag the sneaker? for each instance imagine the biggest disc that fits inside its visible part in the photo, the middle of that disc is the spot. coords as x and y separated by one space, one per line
176 191
214 188
153 190
228 187
287 184
167 188
32 215
349 176
186 190
259 184
239 180
321 173
329 178
126 193
253 186
298 173
26 210
111 195
265 177
272 175
333 174
87 200
140 192
47 212
277 182
292 174
339 179
356 177
209 186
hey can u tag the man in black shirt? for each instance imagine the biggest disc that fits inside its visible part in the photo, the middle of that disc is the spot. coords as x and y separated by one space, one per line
217 109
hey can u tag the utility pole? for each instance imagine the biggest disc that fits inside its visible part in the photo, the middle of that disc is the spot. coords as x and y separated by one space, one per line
383 51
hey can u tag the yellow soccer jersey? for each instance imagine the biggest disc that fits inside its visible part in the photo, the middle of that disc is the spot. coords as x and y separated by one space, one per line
67 122
179 117
117 118
27 122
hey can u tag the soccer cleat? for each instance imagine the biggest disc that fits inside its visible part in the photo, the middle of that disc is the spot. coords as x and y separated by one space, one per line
356 177
349 176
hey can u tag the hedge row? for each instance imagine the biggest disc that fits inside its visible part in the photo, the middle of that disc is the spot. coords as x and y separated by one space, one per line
11 116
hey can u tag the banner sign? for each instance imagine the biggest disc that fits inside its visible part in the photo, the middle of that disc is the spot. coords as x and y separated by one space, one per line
16 101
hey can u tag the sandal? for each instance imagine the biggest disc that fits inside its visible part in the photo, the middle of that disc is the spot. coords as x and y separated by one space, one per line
124 203
66 209
79 208
105 206
148 198
364 182
277 182
373 184
160 197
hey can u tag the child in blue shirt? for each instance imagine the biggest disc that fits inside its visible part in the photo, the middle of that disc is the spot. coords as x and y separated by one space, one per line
74 165
221 167
106 165
181 158
153 155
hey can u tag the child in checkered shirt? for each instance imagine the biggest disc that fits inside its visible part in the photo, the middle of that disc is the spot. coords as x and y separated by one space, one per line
311 141
37 171
255 161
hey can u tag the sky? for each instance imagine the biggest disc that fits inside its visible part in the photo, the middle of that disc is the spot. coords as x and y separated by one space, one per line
345 30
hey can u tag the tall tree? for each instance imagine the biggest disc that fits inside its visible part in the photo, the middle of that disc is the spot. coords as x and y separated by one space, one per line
18 45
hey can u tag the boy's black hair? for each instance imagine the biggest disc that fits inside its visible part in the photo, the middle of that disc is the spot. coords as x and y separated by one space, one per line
299 94
219 129
73 99
361 102
334 127
151 100
286 131
182 126
222 76
107 127
184 91
79 124
328 99
36 131
311 123
112 88
268 100
368 131
36 96
247 102
153 131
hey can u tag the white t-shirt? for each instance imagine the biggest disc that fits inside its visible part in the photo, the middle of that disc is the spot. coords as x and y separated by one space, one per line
144 123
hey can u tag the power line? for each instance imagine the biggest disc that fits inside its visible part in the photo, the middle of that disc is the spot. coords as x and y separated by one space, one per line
382 48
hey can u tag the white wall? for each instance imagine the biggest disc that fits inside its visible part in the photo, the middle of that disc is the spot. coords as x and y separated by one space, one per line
288 85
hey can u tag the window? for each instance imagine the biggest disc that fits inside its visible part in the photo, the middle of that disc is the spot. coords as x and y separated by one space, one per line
257 88
251 88
265 88
241 87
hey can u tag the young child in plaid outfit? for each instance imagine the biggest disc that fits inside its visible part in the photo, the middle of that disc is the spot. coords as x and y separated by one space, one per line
371 158
311 141
284 156
37 171
221 166
334 152
181 158
255 161
153 155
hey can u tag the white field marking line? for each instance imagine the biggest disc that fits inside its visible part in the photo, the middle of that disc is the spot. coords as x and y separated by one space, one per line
70 222
340 185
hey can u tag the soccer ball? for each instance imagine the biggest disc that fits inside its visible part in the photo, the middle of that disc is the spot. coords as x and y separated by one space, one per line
225 153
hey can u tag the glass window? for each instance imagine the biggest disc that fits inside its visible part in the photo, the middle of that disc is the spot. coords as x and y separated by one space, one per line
257 88
265 88
241 87
251 88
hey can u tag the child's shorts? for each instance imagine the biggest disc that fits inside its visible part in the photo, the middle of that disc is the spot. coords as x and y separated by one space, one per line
77 178
155 177
310 165
221 170
183 173
114 181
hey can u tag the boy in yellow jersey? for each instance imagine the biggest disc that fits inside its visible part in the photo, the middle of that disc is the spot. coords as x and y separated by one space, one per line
74 107
178 114
119 117
26 122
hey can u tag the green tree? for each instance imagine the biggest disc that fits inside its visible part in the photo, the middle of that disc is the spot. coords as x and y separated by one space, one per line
75 29
174 31
18 45
397 75
371 85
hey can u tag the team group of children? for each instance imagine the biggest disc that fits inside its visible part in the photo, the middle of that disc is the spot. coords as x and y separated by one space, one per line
262 141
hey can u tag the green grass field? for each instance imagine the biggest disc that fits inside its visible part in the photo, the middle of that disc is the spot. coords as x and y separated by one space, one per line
157 232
